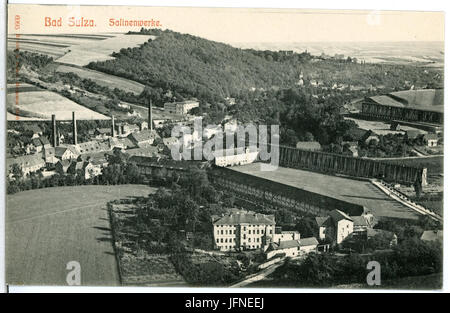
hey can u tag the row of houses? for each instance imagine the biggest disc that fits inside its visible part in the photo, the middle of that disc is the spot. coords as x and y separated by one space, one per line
246 230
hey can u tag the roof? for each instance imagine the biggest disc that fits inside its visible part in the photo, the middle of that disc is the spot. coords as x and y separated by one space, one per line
245 217
59 151
338 215
103 130
430 137
64 163
36 142
93 146
309 241
424 100
309 145
322 220
147 151
359 221
432 235
44 140
25 161
144 135
412 134
286 244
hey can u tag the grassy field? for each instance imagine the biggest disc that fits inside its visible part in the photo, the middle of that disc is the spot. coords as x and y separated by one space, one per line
103 79
83 54
47 228
43 103
354 191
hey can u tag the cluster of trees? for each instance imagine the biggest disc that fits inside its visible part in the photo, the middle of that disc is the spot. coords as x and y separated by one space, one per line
16 59
412 257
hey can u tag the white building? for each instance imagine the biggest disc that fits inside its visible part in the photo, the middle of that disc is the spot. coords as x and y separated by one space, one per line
242 230
238 156
181 108
337 226
292 248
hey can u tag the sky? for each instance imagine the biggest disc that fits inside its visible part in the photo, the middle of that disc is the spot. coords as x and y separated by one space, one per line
242 25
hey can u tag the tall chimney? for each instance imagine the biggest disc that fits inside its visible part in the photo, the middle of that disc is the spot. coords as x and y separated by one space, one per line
113 129
150 117
74 131
53 130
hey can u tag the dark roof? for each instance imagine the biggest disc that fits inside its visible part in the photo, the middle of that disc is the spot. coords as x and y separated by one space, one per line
338 215
322 220
147 151
430 137
424 100
245 217
103 130
359 221
145 135
309 241
44 140
36 142
412 134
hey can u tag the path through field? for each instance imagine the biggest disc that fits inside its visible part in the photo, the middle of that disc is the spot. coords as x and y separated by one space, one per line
47 228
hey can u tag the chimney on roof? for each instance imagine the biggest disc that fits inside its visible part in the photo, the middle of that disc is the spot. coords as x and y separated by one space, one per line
113 128
53 130
74 131
150 117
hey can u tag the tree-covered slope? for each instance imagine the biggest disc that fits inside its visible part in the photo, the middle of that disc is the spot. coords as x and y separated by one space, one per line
196 66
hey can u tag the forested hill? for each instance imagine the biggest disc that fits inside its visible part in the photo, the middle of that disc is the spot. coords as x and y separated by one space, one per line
198 67
183 66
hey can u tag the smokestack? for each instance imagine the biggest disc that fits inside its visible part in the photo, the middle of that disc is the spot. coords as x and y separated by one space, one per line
150 117
53 130
74 131
113 129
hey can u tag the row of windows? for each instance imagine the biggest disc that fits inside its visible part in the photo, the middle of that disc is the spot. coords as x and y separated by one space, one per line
226 232
222 240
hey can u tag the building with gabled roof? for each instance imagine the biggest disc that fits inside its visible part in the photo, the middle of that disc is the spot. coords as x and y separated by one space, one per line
27 163
431 140
292 248
337 226
143 138
67 152
432 235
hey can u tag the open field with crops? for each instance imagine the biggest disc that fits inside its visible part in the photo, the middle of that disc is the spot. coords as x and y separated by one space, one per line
76 49
83 54
31 102
47 228
103 79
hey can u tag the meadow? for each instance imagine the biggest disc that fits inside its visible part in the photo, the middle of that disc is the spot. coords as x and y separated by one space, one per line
41 104
47 228
103 79
83 54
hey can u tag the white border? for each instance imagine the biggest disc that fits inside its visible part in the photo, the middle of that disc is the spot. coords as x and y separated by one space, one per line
410 5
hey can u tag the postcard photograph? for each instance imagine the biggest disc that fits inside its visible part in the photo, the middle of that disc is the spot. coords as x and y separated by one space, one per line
224 147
